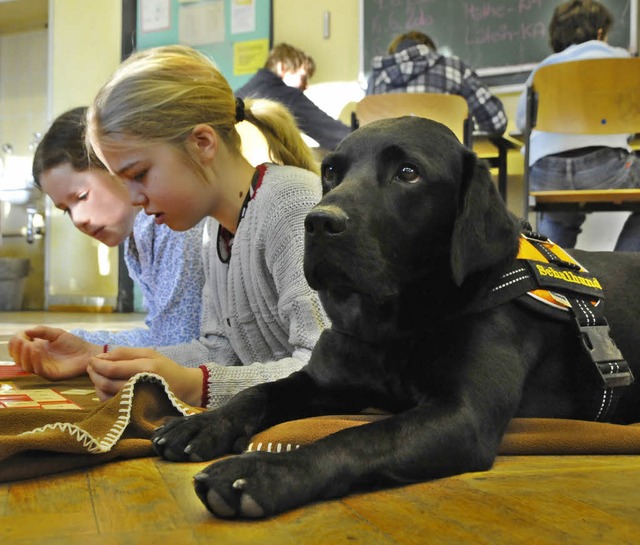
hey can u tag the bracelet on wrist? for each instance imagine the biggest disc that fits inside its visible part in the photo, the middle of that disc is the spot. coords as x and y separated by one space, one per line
204 401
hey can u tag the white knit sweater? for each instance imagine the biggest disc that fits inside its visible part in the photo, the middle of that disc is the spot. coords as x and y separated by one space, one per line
260 319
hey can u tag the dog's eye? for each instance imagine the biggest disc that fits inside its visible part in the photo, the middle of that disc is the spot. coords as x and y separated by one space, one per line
408 174
329 177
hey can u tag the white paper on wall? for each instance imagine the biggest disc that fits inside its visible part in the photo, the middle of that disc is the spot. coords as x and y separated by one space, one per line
243 16
155 15
201 23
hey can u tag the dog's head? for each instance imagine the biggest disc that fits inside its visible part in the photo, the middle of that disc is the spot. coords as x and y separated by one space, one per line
405 204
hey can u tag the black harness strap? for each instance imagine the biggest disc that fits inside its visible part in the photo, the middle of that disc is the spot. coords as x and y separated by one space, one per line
593 330
580 295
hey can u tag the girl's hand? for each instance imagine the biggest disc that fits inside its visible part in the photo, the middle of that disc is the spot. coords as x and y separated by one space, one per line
110 371
51 352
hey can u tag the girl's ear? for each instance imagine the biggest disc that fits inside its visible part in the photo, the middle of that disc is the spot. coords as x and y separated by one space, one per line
204 141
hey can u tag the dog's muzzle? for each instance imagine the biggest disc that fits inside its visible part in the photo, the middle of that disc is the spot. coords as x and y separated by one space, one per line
325 227
325 221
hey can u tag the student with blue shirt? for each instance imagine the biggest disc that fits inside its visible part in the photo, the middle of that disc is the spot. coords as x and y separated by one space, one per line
578 30
165 264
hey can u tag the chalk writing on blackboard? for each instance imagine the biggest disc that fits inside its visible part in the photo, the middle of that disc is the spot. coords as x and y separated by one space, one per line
490 35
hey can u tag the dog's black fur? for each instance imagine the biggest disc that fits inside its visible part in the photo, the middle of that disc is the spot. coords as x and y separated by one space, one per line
409 230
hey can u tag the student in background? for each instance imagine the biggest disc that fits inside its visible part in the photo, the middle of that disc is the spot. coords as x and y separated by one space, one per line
166 124
284 78
413 65
166 265
578 30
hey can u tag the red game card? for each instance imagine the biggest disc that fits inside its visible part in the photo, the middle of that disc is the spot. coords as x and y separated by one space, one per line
8 369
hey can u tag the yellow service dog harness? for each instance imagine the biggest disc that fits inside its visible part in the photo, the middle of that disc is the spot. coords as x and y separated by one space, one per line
548 279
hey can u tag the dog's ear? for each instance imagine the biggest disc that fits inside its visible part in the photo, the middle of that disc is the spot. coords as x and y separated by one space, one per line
484 233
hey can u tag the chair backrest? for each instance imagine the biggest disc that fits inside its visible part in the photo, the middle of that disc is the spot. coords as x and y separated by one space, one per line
598 96
595 96
450 110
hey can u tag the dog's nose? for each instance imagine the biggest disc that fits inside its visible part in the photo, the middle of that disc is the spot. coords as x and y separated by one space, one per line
326 220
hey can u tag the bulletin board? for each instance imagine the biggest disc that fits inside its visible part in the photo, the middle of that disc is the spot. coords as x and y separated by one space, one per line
235 34
499 38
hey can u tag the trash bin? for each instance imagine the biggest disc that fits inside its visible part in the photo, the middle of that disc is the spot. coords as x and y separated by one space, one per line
13 275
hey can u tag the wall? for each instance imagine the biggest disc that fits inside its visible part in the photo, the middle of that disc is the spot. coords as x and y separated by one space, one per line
23 87
85 38
23 112
301 24
336 80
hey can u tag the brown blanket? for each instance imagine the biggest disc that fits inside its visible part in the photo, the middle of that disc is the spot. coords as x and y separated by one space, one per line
38 442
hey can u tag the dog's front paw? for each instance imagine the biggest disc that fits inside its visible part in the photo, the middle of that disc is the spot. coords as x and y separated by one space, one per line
197 438
253 485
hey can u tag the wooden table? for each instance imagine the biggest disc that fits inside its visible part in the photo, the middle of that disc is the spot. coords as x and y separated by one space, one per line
523 499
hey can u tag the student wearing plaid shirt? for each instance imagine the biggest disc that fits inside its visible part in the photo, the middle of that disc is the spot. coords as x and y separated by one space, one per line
414 65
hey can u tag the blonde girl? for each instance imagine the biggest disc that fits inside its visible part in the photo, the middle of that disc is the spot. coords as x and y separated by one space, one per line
166 124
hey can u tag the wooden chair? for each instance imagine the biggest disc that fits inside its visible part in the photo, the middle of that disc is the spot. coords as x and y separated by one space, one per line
450 110
348 112
599 96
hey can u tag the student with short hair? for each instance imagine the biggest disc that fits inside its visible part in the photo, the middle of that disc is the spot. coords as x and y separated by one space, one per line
291 64
578 30
283 79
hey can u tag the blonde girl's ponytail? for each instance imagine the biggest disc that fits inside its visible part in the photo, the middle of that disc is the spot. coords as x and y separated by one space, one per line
159 95
279 128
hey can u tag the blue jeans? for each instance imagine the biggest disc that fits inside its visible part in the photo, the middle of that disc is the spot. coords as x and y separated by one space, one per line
604 168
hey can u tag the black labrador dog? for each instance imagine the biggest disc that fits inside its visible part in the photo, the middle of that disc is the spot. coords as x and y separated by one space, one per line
409 233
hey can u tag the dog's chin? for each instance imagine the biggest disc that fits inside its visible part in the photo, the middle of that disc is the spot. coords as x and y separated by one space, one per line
372 296
341 286
336 296
358 314
348 294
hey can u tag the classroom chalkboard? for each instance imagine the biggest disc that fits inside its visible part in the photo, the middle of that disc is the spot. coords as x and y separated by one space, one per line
502 38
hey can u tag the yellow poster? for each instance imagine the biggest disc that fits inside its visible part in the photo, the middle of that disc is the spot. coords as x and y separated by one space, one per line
249 56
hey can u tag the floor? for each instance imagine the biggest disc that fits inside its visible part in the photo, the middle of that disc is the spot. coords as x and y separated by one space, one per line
523 499
10 321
